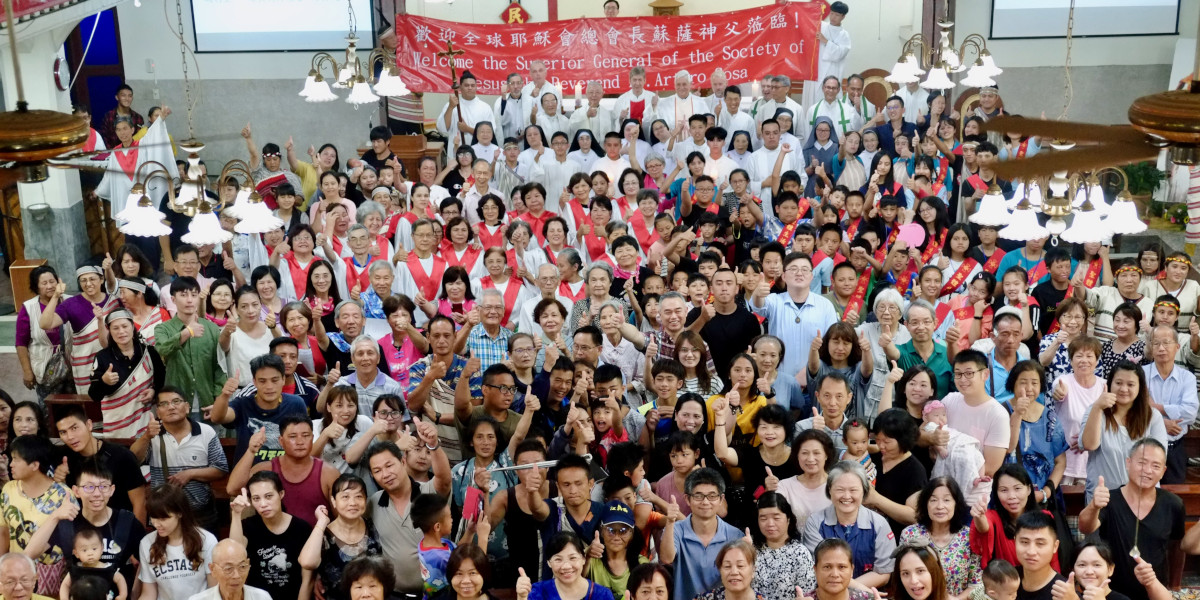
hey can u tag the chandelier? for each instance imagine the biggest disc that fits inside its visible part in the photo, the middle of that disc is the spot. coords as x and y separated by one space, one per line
1079 195
920 57
353 74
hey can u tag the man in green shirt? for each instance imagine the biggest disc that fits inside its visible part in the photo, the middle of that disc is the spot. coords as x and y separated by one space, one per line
188 347
922 349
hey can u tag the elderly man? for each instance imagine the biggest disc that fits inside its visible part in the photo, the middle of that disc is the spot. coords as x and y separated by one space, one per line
335 346
485 337
843 115
795 316
531 94
508 120
719 83
473 195
781 88
593 117
1006 351
854 96
462 113
185 263
258 408
302 474
381 276
922 349
368 380
677 109
1118 516
548 283
1173 393
229 567
672 317
18 578
432 380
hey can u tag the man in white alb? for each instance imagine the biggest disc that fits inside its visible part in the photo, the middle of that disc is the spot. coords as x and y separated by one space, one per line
719 83
854 97
637 103
508 118
531 94
781 87
834 49
716 164
916 101
683 104
593 117
554 171
844 117
474 110
734 120
762 164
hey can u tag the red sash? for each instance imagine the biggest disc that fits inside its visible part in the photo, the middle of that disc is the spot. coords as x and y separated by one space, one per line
965 313
959 277
469 258
510 294
564 290
892 237
1161 275
128 159
623 207
1023 148
942 310
487 239
538 224
299 274
577 211
785 234
905 280
410 216
934 248
596 246
353 274
427 283
1054 324
1037 273
1093 273
860 294
993 261
852 228
977 182
802 207
645 235
551 255
818 257
511 258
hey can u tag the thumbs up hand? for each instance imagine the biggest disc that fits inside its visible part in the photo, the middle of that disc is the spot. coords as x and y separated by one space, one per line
110 377
1065 590
596 548
771 483
524 585
1096 592
749 538
818 422
62 471
1100 496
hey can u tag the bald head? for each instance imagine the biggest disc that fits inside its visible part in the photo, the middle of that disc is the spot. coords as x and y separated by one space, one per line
228 551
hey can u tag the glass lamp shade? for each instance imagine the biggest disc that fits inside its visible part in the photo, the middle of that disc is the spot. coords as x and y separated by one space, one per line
257 218
310 84
1087 227
361 93
1123 218
390 85
345 77
1034 195
914 67
321 92
977 78
901 73
143 221
205 229
1056 226
1024 226
239 202
992 212
131 203
991 70
950 57
937 79
188 192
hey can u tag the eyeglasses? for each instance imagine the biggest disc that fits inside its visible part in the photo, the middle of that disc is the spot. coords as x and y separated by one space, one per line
964 375
713 497
798 270
170 403
25 582
91 489
503 389
230 570
522 351
617 529
391 414
488 308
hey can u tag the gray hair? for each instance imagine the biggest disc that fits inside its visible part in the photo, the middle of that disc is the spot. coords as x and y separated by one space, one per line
364 340
381 265
683 75
846 467
368 208
784 80
337 310
637 71
570 256
19 556
357 227
919 303
888 295
835 80
615 305
654 156
672 295
490 292
608 272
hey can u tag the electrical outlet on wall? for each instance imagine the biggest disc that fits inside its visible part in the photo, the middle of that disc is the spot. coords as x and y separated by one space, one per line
156 94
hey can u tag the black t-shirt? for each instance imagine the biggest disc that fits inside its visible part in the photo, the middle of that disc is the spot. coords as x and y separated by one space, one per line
373 159
754 469
126 471
727 335
1043 594
334 355
453 182
692 220
275 558
1048 297
120 537
905 479
1163 524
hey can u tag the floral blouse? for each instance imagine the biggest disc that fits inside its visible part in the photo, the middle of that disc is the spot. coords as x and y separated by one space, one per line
719 594
1136 353
1061 365
962 567
778 571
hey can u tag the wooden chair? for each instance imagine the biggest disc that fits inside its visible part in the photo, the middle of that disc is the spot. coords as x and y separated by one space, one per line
56 403
876 89
965 105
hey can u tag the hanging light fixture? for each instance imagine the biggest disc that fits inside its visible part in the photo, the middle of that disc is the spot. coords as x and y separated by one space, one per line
993 211
143 220
205 228
1024 225
1087 227
257 217
977 76
942 58
1123 217
352 73
938 78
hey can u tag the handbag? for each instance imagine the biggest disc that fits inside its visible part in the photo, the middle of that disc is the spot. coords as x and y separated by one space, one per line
58 367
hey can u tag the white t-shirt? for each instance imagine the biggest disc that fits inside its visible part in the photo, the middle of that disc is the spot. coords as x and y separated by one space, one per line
334 453
176 579
248 593
987 422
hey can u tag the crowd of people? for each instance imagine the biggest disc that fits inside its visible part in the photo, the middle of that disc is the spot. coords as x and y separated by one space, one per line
660 349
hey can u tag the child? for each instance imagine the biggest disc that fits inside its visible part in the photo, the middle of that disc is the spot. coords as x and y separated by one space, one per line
856 435
745 237
431 514
685 457
606 420
679 282
285 202
782 227
805 240
707 264
961 459
697 290
829 237
710 226
1000 582
88 549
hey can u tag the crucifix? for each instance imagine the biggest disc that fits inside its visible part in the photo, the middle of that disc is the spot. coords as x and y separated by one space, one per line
450 53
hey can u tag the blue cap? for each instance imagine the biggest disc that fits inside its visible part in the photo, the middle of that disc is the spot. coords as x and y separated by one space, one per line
617 512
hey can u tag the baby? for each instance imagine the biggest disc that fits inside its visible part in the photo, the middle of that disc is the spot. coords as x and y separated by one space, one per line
88 551
855 434
960 458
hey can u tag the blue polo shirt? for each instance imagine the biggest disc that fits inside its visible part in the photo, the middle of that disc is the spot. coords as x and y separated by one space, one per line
696 563
997 380
870 538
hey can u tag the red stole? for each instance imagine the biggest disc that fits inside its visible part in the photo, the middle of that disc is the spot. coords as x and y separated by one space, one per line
127 158
511 291
354 275
934 247
299 274
786 234
596 246
959 277
967 312
538 224
488 239
645 234
469 258
1054 324
564 290
1093 273
90 144
623 207
905 280
410 216
551 255
852 228
977 182
860 294
993 261
578 213
818 257
1037 273
637 108
427 283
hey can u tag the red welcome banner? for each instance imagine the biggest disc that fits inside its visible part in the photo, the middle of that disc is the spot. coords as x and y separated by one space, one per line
778 39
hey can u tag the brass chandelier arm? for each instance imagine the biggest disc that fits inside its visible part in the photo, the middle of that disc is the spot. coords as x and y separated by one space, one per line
161 171
319 59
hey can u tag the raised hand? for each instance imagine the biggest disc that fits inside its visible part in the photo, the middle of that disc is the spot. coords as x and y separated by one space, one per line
426 431
110 377
322 515
257 440
333 375
67 511
817 342
333 431
596 548
771 483
239 503
896 374
979 509
818 422
231 384
153 428
1065 590
523 586
1101 495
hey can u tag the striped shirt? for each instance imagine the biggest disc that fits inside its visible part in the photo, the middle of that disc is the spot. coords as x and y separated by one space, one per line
200 448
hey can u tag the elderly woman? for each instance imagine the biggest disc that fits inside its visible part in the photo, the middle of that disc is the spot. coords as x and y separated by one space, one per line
618 350
920 575
1037 441
266 280
551 315
835 566
942 521
351 533
85 314
404 344
846 517
36 346
297 320
651 581
381 275
523 253
1072 319
887 307
805 492
598 279
371 215
368 578
735 561
124 378
900 476
784 565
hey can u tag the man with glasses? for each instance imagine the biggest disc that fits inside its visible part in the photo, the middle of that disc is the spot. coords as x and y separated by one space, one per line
1118 515
548 280
368 380
183 452
795 316
499 387
18 577
922 349
186 264
893 124
972 411
1173 393
843 115
486 339
230 566
692 544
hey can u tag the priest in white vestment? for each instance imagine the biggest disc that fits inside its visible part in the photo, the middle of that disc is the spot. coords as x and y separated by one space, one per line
679 107
474 110
126 158
637 103
531 94
833 52
508 114
593 117
554 171
761 165
780 88
845 118
732 119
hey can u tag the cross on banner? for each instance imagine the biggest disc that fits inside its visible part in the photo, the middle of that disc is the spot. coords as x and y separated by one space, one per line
450 53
